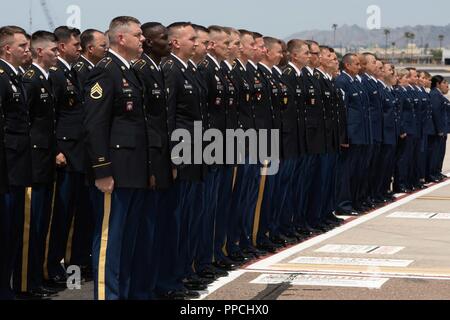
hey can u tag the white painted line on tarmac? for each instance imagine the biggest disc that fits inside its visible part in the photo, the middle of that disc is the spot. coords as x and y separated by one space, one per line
441 216
321 280
266 263
411 215
352 261
220 283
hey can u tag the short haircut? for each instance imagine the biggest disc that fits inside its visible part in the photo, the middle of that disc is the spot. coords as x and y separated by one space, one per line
244 32
436 80
295 44
269 42
310 43
174 27
6 34
347 59
119 23
198 27
87 37
65 33
411 69
324 48
257 35
230 31
38 37
215 28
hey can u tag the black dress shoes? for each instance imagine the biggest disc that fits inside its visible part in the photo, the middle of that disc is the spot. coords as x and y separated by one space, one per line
38 293
225 265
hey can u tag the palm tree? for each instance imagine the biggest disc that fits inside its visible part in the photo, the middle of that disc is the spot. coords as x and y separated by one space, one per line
441 39
334 26
387 32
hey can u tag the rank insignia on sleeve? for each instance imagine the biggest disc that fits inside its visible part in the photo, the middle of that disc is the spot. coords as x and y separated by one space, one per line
96 92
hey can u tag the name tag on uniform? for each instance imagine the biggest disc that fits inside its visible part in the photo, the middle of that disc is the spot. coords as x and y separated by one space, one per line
188 86
16 95
219 87
375 92
355 94
44 95
156 92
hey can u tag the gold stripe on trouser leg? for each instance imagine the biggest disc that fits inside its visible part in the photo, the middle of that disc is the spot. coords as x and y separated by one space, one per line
47 239
103 247
262 185
26 239
68 255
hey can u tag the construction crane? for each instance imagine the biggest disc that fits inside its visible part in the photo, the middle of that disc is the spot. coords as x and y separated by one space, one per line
47 15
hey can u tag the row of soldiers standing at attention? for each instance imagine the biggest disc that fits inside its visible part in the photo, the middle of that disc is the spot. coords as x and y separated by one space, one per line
116 203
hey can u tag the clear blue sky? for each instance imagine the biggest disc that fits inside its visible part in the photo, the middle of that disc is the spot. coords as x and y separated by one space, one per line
279 18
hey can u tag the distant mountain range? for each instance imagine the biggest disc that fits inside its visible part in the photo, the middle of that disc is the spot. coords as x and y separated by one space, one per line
355 36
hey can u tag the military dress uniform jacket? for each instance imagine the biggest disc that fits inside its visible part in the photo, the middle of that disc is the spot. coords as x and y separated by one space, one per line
82 68
391 125
217 98
439 112
375 108
41 104
262 98
427 113
184 108
3 171
330 112
232 96
156 110
314 116
408 123
288 117
246 106
69 117
354 102
16 127
341 115
296 111
115 124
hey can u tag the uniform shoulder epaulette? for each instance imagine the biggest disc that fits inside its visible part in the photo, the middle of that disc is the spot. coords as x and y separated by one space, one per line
78 66
104 63
2 71
168 64
317 74
204 63
29 74
140 64
53 69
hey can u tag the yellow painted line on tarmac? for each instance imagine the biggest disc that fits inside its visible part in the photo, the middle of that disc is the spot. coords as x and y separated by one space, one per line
435 198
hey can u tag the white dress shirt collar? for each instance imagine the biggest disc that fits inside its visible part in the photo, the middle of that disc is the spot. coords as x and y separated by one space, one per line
182 62
11 66
45 73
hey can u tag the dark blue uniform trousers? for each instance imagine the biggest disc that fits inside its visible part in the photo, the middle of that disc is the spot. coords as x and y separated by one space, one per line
243 207
388 167
283 196
328 179
223 213
7 245
204 255
32 232
118 216
150 259
71 204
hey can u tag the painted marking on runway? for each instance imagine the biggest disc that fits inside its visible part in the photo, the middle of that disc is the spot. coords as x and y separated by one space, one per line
359 249
421 215
277 258
321 280
351 261
411 215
